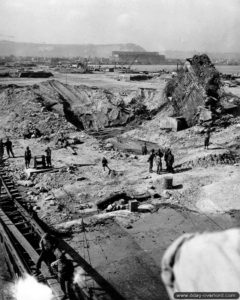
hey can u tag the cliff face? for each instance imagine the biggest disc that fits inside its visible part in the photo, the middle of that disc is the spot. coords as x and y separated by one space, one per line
196 82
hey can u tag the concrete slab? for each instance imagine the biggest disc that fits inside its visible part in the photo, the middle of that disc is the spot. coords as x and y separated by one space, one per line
31 171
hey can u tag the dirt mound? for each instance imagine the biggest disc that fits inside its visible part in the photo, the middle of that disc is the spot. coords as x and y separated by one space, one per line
21 111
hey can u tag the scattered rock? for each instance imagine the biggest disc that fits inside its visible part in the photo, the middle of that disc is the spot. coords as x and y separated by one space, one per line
109 208
109 146
43 189
26 183
50 197
128 226
35 208
52 202
123 201
166 194
146 208
81 178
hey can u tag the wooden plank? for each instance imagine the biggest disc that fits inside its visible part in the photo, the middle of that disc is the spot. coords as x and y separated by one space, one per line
14 253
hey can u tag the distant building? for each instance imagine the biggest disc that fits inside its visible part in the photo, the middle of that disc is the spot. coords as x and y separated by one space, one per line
141 58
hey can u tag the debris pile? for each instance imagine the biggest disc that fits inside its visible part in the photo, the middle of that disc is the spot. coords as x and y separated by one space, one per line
227 158
195 90
23 114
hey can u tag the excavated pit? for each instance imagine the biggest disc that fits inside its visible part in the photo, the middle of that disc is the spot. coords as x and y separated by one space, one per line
87 108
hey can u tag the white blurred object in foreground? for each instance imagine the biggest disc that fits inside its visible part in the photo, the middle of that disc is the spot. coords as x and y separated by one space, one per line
207 262
28 288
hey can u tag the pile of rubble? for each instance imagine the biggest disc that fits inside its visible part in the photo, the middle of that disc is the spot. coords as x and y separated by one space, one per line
23 114
195 92
209 160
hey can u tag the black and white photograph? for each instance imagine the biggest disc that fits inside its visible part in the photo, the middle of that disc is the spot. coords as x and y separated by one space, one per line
119 149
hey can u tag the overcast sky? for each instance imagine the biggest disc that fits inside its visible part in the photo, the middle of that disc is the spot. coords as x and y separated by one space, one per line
156 25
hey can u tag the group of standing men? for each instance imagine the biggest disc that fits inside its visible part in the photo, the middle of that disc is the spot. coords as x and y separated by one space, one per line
8 145
168 156
157 157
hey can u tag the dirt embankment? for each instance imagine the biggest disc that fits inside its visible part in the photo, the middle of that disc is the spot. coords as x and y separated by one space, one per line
87 108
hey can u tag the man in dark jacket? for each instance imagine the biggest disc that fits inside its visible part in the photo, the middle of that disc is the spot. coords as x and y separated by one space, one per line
65 270
27 156
207 139
158 160
105 165
150 160
48 157
169 159
47 245
8 145
144 149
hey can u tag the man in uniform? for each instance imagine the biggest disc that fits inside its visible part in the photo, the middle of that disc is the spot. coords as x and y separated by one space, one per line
150 160
169 159
8 145
48 157
65 270
144 149
27 156
105 165
207 139
47 244
158 160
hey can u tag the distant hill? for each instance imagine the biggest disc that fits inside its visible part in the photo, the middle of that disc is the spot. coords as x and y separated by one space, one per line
61 50
213 55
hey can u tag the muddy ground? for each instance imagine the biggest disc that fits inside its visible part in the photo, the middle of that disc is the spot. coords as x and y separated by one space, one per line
126 247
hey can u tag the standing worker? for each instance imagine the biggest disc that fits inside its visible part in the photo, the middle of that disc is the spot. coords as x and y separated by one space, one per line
65 270
207 139
8 145
47 245
27 156
150 160
144 149
1 150
169 159
105 165
48 157
158 160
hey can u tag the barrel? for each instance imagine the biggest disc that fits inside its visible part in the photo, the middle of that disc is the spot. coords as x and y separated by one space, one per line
167 183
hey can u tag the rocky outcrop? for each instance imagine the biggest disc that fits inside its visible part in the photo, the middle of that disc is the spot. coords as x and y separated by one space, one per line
196 84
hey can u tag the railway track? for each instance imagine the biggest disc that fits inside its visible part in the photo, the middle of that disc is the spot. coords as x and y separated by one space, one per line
20 234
